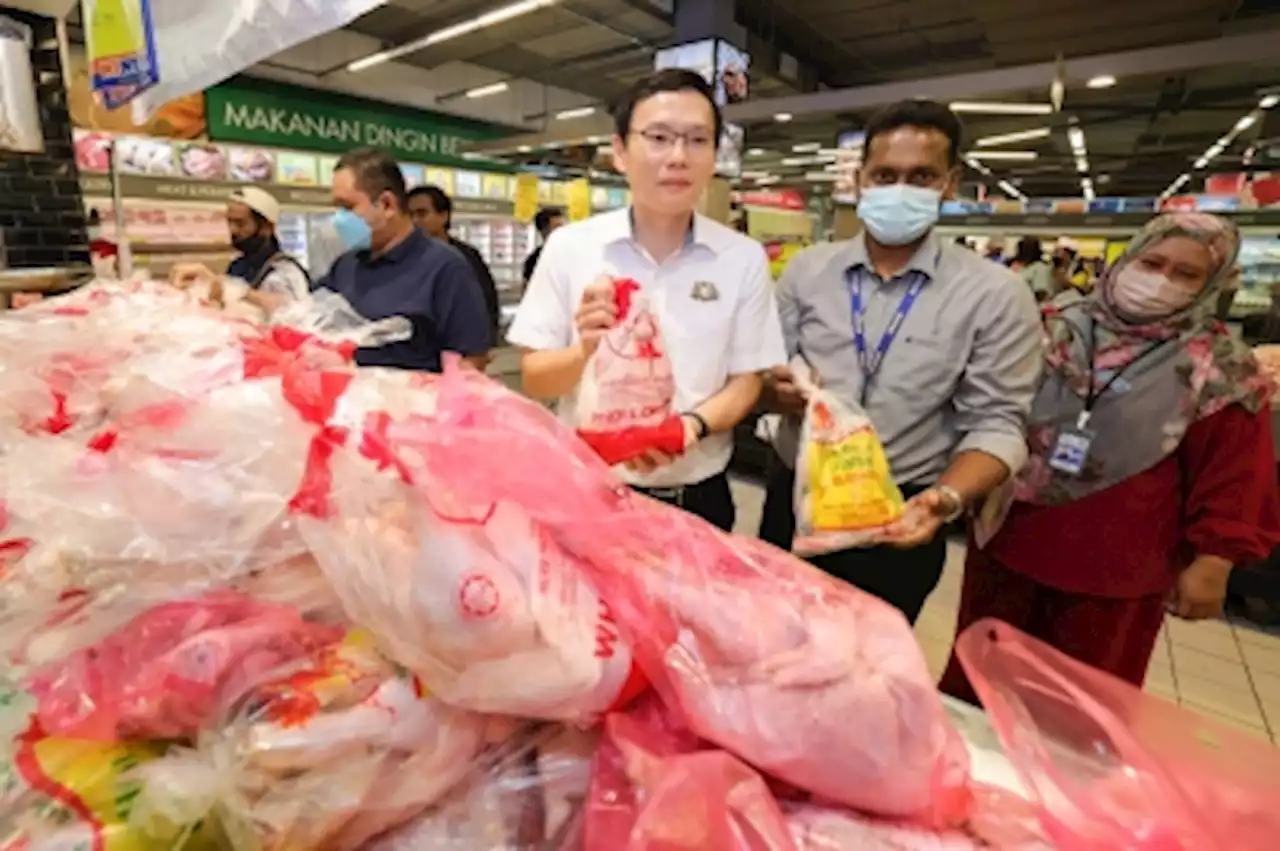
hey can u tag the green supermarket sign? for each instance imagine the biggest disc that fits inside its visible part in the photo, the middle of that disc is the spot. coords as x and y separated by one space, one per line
257 112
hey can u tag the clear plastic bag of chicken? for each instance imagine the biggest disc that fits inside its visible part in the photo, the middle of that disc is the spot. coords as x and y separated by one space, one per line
525 795
473 596
69 793
844 492
626 396
324 754
755 650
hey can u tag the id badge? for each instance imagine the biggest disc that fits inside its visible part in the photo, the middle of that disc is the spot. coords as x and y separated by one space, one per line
1071 450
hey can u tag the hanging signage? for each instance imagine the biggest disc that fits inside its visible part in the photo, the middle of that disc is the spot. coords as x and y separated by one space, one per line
579 200
778 199
260 113
122 49
526 197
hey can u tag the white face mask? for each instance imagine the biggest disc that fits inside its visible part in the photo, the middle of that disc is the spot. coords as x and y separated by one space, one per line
1148 295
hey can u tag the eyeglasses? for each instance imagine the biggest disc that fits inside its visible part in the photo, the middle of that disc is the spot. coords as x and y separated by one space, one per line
663 140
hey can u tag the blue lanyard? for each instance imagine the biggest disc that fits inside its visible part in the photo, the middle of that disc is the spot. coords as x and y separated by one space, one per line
870 362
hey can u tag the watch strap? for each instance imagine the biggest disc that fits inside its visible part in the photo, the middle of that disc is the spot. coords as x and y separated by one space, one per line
953 496
704 428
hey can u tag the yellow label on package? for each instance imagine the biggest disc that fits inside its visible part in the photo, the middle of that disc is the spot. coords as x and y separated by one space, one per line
850 486
81 794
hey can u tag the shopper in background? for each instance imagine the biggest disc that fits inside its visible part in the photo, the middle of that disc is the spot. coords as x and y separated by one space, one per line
274 278
710 286
995 249
545 222
939 346
393 269
432 211
1035 271
1151 469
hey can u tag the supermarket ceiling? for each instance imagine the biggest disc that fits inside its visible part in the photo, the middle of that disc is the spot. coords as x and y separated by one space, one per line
563 57
1139 134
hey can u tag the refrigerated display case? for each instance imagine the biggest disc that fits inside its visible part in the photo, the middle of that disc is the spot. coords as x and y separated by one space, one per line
504 244
1259 273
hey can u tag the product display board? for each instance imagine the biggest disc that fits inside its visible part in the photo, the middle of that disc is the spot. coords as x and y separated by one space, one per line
175 192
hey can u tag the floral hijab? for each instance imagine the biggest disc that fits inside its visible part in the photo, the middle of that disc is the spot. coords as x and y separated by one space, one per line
1176 370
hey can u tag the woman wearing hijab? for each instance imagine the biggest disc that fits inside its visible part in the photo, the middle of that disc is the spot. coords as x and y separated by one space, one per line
1151 468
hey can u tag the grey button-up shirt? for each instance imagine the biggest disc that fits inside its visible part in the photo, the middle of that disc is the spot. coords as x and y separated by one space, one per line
961 373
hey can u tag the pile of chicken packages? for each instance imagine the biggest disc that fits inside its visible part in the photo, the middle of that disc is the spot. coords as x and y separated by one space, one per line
255 597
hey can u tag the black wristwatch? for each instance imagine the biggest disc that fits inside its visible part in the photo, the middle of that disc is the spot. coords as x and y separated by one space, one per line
704 428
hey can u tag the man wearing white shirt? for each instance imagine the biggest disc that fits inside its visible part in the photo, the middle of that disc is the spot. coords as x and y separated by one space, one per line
709 285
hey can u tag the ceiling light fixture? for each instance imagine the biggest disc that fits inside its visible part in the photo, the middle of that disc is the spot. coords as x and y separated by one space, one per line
486 91
1021 156
977 166
995 108
807 147
1082 165
1269 101
576 112
479 22
1020 136
1175 186
1086 185
1010 190
755 152
524 149
819 176
1102 81
1246 122
782 117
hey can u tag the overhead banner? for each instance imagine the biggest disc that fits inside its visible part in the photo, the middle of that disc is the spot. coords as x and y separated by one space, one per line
261 113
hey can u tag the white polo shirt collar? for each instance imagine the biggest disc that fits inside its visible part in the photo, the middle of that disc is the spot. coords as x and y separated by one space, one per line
621 227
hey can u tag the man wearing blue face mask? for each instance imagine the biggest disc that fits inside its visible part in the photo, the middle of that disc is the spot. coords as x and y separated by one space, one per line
939 346
392 269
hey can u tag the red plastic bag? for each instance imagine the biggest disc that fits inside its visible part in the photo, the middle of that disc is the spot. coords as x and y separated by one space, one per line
624 402
655 787
1113 768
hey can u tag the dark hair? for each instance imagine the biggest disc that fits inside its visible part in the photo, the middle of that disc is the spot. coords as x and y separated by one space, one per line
667 80
376 172
542 220
440 202
924 114
1029 251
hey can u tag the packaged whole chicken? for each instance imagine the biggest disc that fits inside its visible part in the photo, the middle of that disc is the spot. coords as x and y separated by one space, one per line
844 493
335 751
168 671
69 793
474 597
525 795
755 650
625 398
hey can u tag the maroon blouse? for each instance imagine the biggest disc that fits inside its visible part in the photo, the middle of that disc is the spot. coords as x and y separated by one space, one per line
1215 495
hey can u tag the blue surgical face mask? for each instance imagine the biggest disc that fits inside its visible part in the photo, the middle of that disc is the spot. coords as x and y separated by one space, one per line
898 214
354 231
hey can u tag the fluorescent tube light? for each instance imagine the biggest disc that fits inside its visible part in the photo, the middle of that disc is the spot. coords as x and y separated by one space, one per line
1269 101
486 91
996 108
1102 81
576 112
807 147
1003 155
479 22
1020 136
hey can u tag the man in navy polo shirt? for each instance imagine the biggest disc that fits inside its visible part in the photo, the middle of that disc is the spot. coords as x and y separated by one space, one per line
391 269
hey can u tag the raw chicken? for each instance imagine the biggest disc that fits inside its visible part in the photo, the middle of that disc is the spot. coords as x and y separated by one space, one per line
172 669
818 829
339 751
473 597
